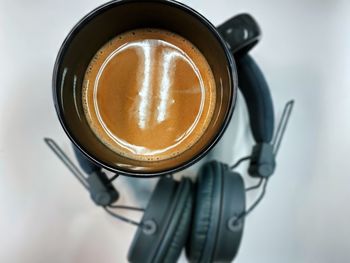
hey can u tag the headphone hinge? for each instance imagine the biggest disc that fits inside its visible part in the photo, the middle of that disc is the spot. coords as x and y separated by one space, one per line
101 190
262 162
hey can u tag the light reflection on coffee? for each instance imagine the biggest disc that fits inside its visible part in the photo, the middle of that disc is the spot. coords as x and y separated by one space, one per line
149 94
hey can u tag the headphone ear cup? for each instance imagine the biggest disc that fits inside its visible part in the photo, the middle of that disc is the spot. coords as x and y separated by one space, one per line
206 213
179 234
220 198
169 210
230 230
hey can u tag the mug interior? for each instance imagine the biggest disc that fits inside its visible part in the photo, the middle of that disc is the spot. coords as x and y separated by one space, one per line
117 17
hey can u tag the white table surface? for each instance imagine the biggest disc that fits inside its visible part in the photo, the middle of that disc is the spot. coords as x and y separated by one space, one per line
46 216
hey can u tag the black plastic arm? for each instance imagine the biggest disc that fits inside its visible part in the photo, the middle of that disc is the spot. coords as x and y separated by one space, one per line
258 98
102 191
87 166
242 33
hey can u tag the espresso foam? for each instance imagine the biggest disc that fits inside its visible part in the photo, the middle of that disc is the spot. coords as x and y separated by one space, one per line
149 94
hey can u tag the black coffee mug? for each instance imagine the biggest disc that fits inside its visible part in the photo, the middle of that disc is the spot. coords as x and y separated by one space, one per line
116 17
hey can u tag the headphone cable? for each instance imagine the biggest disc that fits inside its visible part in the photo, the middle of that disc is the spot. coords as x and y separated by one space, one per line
255 186
254 205
124 219
236 164
127 207
113 178
243 159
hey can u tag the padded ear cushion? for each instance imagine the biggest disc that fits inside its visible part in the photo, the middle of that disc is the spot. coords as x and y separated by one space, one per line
220 198
179 234
170 209
206 213
230 231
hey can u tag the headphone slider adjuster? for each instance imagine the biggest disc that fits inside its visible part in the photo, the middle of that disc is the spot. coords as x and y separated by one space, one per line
262 162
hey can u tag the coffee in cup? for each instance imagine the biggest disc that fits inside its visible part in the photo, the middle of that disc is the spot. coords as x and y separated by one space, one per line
144 88
149 94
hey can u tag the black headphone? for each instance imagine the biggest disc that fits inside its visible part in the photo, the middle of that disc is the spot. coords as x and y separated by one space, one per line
206 217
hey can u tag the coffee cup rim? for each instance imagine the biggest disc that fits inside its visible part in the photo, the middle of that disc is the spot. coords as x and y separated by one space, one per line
230 63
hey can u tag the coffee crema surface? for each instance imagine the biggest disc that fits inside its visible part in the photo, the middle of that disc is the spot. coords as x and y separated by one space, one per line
149 94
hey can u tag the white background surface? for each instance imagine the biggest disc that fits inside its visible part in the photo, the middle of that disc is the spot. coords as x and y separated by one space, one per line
46 216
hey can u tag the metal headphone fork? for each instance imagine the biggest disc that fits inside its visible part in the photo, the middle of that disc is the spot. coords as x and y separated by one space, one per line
281 128
83 180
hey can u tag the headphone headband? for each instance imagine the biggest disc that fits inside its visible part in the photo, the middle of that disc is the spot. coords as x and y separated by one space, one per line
218 210
242 33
